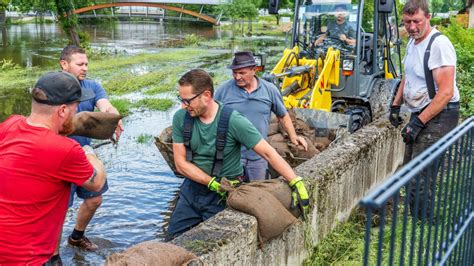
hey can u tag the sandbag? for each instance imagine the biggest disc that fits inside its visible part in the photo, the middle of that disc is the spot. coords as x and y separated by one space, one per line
276 138
299 151
273 128
280 189
153 253
273 218
281 147
96 125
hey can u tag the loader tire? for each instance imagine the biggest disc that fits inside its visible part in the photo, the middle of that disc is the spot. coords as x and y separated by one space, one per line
359 117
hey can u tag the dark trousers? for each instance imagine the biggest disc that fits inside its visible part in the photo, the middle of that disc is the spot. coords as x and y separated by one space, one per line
196 203
422 188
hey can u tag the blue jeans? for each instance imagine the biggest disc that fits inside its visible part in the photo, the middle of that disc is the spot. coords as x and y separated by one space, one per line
196 203
256 169
84 193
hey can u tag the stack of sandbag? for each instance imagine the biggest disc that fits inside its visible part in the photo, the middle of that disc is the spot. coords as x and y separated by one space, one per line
153 253
96 125
278 138
256 199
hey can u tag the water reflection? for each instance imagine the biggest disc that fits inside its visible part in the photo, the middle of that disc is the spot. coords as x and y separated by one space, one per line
34 45
14 102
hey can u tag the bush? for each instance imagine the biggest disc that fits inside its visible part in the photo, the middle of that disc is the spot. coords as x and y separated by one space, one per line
463 42
8 65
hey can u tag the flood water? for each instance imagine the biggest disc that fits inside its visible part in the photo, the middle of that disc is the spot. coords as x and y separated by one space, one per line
141 185
34 44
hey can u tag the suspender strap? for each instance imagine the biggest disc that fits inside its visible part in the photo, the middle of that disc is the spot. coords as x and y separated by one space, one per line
428 73
187 133
222 129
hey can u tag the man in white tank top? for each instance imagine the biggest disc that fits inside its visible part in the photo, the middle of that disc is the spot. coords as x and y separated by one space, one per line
431 117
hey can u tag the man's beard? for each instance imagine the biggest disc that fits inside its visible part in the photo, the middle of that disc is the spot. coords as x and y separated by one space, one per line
68 127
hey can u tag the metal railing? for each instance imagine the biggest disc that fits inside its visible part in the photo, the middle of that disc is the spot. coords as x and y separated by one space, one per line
424 213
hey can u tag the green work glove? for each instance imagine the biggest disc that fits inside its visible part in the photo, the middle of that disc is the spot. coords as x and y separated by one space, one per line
216 187
299 195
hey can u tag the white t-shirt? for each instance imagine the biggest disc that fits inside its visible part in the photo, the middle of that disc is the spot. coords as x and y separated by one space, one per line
415 92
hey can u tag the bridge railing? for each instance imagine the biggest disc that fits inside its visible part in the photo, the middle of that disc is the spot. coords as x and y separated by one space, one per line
424 214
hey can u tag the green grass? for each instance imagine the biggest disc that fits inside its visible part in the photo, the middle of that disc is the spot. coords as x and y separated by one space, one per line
127 82
155 104
345 244
144 138
122 105
168 80
172 55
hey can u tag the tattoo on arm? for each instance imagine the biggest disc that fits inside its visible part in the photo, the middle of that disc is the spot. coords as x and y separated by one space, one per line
92 178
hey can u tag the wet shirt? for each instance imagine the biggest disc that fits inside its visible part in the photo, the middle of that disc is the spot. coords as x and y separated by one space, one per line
203 141
36 171
335 30
415 91
89 105
256 106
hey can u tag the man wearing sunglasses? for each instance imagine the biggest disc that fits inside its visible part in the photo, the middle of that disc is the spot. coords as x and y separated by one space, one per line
256 99
200 196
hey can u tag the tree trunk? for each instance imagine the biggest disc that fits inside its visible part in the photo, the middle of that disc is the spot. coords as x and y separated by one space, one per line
3 17
250 25
4 35
278 19
68 20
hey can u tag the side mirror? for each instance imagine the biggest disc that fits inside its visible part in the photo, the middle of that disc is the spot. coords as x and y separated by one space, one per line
273 6
385 6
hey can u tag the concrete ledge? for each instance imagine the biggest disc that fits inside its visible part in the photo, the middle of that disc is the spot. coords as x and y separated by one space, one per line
336 178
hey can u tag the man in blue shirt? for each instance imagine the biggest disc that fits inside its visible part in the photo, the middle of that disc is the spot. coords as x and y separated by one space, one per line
256 99
74 60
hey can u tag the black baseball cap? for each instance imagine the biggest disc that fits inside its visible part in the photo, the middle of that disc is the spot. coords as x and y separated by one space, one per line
56 88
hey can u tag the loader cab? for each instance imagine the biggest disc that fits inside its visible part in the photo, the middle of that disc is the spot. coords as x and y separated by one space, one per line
327 25
374 53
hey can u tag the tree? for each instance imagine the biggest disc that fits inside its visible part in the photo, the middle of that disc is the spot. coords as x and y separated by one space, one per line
240 9
62 8
68 20
3 7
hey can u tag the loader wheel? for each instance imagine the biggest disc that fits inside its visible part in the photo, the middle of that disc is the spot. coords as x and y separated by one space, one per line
359 117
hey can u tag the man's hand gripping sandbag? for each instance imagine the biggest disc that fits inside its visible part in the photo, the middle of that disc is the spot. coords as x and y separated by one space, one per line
299 195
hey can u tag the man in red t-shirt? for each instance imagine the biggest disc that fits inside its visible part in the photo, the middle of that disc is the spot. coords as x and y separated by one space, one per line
37 167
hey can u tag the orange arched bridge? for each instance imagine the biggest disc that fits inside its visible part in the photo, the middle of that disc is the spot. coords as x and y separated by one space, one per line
148 4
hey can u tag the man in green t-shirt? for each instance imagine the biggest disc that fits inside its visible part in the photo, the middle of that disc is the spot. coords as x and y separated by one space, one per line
200 197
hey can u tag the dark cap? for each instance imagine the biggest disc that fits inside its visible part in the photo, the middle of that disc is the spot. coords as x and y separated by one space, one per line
243 59
56 88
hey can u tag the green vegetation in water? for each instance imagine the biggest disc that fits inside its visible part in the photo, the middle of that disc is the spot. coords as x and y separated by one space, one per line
155 104
192 40
14 77
172 55
167 81
144 138
122 105
127 82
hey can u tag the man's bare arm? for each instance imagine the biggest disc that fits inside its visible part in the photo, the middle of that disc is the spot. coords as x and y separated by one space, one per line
186 168
97 180
444 78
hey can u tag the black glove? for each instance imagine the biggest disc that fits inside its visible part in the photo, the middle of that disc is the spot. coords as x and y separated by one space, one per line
411 130
394 117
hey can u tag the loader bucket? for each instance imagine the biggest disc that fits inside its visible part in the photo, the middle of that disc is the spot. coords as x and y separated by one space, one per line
319 128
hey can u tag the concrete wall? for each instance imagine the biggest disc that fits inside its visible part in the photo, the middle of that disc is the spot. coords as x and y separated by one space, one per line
336 178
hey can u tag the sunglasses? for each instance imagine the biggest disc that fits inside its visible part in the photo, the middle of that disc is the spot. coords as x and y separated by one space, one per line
187 102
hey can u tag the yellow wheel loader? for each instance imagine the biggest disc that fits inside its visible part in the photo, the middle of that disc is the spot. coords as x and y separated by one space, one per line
344 58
